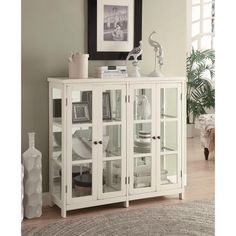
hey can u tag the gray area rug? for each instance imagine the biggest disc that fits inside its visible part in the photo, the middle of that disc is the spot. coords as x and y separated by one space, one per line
192 219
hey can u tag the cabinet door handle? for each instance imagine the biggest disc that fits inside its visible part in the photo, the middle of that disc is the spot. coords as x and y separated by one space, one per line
154 137
95 142
159 137
100 142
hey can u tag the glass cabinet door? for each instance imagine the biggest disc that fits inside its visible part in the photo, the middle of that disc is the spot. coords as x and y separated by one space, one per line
170 140
113 141
81 149
142 141
56 143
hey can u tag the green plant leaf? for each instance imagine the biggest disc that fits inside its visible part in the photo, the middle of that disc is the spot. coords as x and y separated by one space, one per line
200 94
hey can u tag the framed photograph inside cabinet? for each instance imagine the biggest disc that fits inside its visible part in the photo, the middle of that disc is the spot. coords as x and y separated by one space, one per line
80 112
114 28
106 106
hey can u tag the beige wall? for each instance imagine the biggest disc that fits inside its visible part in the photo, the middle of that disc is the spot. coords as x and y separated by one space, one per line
51 29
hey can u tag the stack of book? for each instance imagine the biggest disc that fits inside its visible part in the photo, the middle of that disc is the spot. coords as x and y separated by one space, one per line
111 72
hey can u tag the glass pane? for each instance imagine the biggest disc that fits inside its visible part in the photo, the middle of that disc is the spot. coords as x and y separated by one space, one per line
195 29
195 44
169 169
82 180
142 138
142 172
81 106
56 141
206 42
207 10
56 179
142 104
169 102
207 26
169 136
111 105
111 140
111 176
82 144
212 43
195 1
195 13
57 124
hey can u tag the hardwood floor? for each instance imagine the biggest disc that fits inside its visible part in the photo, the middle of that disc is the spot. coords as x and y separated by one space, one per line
200 185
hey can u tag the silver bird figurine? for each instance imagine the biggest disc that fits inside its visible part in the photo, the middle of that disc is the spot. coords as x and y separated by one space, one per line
158 54
136 52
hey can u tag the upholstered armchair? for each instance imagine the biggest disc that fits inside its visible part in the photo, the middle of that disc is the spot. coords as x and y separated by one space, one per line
207 133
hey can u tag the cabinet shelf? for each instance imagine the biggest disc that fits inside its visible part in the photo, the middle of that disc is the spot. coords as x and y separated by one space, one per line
142 121
84 161
113 158
163 116
169 119
80 126
57 127
107 189
112 122
167 149
142 154
169 153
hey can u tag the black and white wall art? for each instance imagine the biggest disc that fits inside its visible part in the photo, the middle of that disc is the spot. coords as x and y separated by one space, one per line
115 23
114 28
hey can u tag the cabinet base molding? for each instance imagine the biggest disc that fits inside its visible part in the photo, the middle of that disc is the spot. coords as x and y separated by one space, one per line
156 194
47 200
81 205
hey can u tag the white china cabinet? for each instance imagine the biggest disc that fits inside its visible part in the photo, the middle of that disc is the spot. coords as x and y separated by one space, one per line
115 140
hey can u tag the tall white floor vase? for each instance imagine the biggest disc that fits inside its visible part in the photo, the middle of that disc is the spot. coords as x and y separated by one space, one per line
22 191
32 161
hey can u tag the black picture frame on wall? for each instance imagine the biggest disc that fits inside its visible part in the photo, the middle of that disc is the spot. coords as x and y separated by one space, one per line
94 53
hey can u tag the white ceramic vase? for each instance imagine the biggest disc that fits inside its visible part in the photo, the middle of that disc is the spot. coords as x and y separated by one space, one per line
22 191
32 161
78 66
143 107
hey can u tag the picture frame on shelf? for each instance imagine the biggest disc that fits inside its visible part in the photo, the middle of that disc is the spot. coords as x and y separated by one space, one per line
80 112
106 98
106 106
87 97
114 28
57 108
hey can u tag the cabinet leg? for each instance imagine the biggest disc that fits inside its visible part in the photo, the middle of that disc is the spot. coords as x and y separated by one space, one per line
206 153
126 204
181 196
63 213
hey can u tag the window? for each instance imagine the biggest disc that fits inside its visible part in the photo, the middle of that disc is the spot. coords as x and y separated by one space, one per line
202 24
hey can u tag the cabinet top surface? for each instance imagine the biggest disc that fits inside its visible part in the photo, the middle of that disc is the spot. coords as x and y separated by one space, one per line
65 80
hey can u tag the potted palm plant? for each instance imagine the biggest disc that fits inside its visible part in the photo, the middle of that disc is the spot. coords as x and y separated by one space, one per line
200 93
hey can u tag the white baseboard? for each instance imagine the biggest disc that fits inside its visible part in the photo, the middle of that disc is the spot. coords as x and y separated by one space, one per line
46 199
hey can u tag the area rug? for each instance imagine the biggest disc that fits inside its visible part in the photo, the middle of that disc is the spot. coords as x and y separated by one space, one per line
192 219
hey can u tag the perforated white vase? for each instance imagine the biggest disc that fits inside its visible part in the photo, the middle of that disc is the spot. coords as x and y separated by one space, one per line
32 159
22 191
